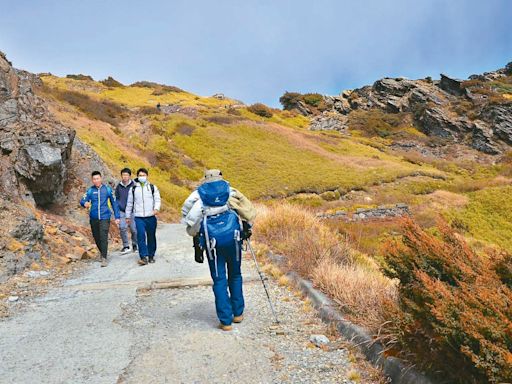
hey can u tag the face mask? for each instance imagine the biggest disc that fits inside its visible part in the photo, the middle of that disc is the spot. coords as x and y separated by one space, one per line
142 179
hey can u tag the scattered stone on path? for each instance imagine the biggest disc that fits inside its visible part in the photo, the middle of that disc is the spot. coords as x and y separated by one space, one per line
13 299
319 340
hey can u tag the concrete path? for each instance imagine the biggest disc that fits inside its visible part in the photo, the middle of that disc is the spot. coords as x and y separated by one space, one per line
106 327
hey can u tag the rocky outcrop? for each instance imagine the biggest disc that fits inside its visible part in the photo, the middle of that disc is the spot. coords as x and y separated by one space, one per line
451 85
483 138
329 121
364 214
500 118
451 109
35 148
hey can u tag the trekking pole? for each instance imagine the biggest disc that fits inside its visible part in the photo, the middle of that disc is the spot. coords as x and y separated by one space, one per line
262 281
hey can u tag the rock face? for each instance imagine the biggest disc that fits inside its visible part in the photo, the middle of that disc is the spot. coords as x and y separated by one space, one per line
35 148
34 159
329 122
473 113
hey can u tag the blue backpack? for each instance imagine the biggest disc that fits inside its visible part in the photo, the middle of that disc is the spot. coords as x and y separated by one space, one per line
220 226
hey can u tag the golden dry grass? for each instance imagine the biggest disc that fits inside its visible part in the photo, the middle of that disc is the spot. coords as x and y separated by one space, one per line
317 252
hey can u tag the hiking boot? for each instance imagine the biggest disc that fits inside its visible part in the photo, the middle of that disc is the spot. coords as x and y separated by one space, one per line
125 250
225 327
238 319
151 259
143 261
104 262
134 248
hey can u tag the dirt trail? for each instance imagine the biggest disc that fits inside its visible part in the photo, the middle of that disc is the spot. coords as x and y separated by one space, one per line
100 328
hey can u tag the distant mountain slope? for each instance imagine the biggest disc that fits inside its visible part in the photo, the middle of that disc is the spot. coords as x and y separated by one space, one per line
265 157
379 156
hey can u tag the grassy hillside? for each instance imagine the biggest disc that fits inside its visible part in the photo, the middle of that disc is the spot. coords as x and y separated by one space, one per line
264 157
274 157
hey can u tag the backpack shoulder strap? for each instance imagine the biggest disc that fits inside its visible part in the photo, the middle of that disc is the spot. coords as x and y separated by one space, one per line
152 189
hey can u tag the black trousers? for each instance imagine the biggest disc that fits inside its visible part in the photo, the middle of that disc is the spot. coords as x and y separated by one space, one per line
99 230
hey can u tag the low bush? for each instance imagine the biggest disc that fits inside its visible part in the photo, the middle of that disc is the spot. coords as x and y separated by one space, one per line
375 122
149 110
223 119
159 89
80 77
457 305
260 110
184 128
103 110
111 82
315 101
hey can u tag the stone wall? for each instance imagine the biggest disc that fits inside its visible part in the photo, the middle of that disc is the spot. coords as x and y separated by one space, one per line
364 214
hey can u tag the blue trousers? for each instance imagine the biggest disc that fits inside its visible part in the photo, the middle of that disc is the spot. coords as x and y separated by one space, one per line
227 304
146 235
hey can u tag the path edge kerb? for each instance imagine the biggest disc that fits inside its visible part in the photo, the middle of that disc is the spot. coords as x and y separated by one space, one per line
396 369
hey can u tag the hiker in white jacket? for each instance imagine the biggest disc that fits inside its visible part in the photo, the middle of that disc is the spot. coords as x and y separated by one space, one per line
143 206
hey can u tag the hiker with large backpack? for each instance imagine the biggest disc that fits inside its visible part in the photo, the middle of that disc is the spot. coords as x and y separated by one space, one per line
218 217
96 199
143 206
123 189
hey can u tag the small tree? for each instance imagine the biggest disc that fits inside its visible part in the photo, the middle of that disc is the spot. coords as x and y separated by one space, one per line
290 100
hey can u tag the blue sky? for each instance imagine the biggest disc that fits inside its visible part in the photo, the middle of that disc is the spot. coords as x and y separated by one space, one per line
255 50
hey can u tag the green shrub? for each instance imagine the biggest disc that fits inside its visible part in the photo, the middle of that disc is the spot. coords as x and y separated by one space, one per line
375 122
260 110
111 82
313 99
159 89
80 77
289 100
457 305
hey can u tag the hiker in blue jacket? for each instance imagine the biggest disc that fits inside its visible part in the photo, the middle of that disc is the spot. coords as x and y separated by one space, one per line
122 191
96 199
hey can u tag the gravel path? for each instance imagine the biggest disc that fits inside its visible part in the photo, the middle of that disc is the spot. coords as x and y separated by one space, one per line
99 328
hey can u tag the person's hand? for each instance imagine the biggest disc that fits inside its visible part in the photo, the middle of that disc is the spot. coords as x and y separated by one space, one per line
118 221
155 212
87 204
127 221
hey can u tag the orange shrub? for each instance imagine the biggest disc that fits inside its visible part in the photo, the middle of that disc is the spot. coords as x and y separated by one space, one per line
457 304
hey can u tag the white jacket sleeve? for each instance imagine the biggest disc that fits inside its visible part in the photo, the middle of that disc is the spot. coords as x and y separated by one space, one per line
129 204
157 200
189 203
194 217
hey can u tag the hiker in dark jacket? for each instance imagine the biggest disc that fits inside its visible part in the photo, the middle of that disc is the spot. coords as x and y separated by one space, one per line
142 206
96 199
122 192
